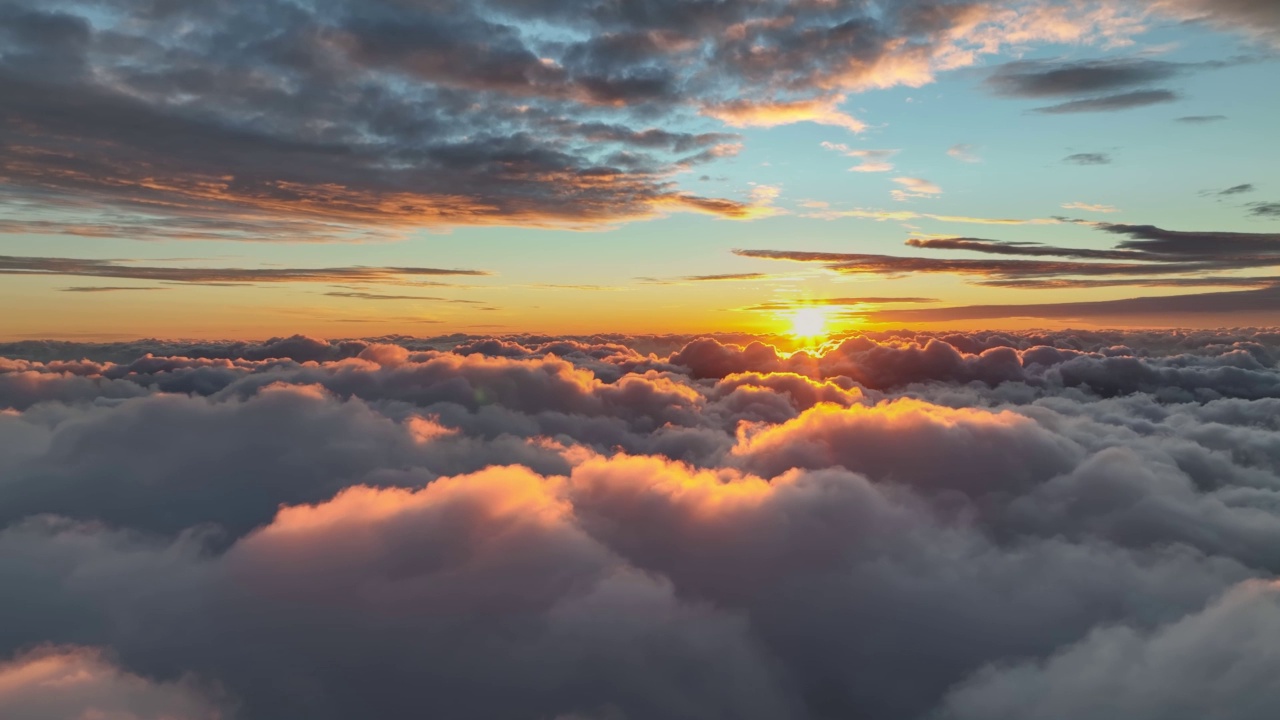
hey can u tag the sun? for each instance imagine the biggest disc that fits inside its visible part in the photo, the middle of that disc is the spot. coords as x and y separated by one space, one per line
809 322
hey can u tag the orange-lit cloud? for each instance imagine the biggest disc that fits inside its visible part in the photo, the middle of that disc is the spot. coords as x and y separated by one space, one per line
1090 207
904 215
474 512
913 187
83 683
497 129
869 160
822 111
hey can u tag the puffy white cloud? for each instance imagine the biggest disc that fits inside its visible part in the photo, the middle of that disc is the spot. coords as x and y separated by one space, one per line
1216 663
897 525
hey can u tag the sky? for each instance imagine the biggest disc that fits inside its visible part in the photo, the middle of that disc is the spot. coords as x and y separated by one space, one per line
357 169
639 359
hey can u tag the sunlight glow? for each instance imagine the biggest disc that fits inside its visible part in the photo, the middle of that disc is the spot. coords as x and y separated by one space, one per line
809 322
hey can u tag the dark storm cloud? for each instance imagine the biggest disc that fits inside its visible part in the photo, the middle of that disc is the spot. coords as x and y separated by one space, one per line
530 527
1107 103
74 267
1088 159
1265 209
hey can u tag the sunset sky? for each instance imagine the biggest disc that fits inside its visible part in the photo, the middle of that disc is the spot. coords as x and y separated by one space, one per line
352 169
639 359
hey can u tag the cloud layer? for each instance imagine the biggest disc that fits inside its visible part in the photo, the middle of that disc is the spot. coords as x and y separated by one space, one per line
336 120
1150 257
896 525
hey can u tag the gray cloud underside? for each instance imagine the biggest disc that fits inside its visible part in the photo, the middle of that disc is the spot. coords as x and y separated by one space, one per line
1088 159
531 527
1084 283
1265 300
1149 250
334 120
1108 103
1147 243
1150 256
859 263
340 121
1094 85
74 267
1042 79
1237 189
716 277
1195 243
1257 18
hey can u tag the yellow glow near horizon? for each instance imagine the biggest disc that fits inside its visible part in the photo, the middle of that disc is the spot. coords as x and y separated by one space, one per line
809 322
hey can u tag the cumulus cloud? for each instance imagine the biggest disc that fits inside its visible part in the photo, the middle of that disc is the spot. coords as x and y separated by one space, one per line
75 682
1190 667
534 526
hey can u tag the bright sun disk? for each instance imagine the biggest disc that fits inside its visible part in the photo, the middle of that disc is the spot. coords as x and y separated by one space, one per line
809 322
